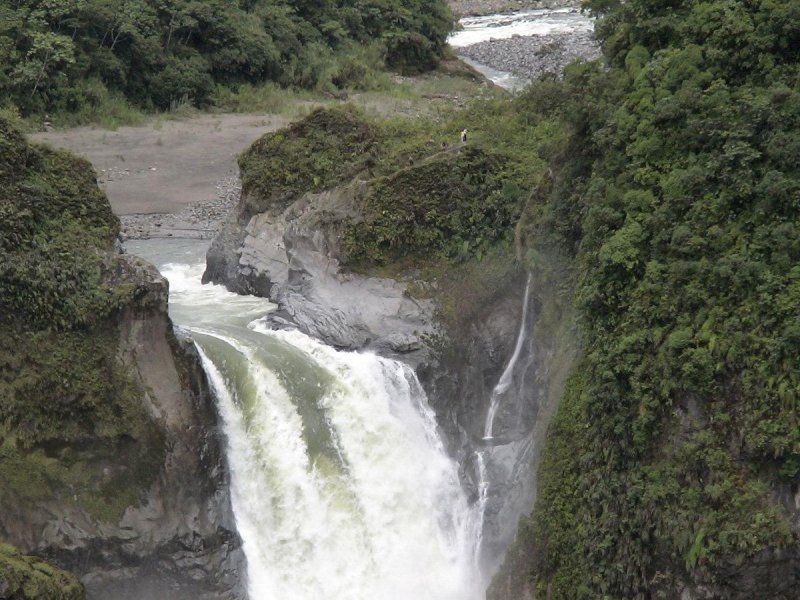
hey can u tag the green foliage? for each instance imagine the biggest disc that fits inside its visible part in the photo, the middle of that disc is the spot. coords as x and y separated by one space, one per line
68 408
455 204
30 578
677 193
319 152
158 53
54 225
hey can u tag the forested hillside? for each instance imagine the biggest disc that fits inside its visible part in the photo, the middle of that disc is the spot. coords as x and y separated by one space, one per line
64 55
671 466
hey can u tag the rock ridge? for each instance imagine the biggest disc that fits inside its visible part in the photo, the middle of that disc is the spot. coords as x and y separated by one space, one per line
293 257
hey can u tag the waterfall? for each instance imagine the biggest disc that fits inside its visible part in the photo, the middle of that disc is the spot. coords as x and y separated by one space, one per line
340 483
508 374
490 454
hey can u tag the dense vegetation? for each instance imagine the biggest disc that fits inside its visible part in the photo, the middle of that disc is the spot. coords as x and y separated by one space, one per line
427 196
677 193
72 55
30 578
58 296
53 222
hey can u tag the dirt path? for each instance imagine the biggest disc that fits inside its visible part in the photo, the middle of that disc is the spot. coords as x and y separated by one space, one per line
166 166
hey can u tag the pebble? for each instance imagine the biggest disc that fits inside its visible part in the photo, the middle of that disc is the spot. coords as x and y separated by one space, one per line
530 57
200 220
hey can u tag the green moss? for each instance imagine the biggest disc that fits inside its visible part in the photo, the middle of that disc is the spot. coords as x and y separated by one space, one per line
325 149
54 224
73 425
453 204
30 578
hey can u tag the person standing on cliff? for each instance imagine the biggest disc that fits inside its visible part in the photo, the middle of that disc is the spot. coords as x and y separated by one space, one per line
464 136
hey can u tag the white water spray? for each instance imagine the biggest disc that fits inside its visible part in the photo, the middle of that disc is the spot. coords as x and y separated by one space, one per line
508 374
340 483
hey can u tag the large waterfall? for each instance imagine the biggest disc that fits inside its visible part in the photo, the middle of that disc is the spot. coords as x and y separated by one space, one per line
341 486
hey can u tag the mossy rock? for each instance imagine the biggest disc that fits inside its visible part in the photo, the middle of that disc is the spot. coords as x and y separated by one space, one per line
30 578
454 205
327 148
56 230
73 425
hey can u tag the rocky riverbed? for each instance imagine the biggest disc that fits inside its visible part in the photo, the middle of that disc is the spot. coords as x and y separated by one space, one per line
530 57
199 220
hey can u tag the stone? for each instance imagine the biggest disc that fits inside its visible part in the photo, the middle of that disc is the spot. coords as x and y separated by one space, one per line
292 257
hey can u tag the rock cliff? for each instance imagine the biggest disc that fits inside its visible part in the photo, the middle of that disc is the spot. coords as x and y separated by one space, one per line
293 256
110 451
457 325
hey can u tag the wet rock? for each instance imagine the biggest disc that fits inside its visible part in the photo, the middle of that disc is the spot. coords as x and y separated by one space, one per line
292 257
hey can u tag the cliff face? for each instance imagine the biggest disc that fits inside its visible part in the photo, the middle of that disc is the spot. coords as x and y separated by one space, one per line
457 323
110 452
292 256
476 365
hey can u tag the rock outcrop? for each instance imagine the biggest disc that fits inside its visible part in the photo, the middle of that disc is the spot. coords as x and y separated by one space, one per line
292 256
176 537
111 456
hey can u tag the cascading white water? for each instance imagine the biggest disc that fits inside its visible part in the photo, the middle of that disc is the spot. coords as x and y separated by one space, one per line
340 483
508 374
522 23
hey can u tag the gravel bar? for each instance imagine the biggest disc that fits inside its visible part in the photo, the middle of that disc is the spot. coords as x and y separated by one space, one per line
530 57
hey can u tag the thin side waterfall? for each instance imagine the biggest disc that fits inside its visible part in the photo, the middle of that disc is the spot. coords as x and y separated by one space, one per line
508 374
483 456
479 510
340 483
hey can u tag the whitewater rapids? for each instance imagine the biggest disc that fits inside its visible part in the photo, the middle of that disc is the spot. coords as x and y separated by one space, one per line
340 482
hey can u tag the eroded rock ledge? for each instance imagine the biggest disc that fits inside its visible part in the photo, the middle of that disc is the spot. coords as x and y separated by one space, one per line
292 256
177 537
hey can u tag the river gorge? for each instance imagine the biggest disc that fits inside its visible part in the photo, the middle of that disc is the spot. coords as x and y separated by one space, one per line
440 315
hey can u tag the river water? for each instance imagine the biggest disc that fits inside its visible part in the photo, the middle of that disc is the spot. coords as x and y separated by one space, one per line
340 482
522 23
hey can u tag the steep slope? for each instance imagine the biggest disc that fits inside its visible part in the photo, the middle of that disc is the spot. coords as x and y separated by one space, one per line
672 468
109 450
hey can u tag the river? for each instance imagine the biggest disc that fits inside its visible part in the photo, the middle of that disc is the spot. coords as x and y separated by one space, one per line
340 482
525 23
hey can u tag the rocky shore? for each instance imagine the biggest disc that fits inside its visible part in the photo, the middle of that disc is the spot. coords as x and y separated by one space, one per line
199 220
530 57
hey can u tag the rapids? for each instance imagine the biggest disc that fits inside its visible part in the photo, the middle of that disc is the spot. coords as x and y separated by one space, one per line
340 482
